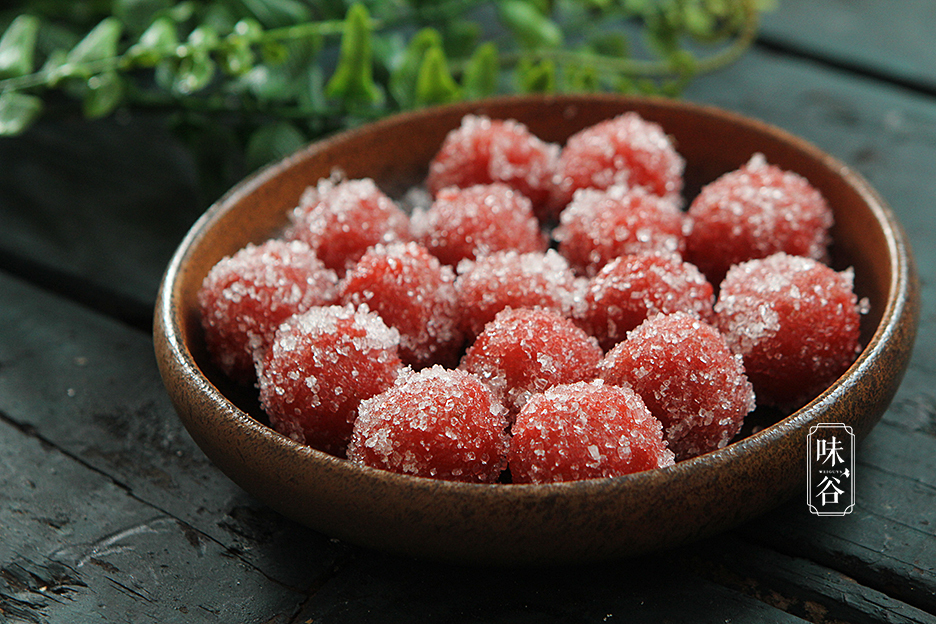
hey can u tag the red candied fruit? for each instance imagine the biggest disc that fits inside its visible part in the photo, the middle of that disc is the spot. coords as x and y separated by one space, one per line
413 292
245 297
525 351
484 150
510 279
585 430
689 379
436 423
626 150
794 320
753 212
600 225
321 365
341 220
478 220
631 288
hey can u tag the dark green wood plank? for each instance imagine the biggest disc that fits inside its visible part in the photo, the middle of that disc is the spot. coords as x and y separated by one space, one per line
95 209
380 589
889 135
800 586
77 547
878 36
89 386
888 543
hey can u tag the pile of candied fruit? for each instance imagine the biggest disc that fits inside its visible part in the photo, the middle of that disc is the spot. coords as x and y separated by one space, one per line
537 312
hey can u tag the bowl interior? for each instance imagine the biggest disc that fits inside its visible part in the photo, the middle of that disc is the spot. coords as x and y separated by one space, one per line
560 522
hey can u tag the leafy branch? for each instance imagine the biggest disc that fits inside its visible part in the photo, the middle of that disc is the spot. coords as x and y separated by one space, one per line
282 72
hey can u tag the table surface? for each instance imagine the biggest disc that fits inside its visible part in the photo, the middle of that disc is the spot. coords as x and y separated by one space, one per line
110 513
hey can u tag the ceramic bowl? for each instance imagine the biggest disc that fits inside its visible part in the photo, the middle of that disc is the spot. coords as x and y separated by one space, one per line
556 523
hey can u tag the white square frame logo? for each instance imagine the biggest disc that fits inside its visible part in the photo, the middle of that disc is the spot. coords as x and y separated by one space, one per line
831 469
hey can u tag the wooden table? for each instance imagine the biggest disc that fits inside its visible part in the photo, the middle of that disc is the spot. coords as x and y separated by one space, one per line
110 513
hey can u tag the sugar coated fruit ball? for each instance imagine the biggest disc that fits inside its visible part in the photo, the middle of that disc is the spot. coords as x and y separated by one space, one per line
794 320
413 292
478 220
321 365
484 150
689 379
525 351
600 225
626 150
753 212
437 423
631 288
246 296
341 219
510 279
585 430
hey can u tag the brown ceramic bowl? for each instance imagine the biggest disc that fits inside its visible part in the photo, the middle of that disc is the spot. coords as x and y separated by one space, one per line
504 523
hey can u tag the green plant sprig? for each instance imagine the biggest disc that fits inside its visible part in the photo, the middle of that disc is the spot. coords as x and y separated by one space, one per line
675 67
282 72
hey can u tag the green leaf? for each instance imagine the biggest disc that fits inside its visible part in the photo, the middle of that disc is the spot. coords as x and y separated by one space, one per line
249 30
137 15
637 7
434 83
537 78
543 6
529 25
647 86
57 68
460 37
203 39
237 59
683 63
274 52
301 54
99 44
181 12
661 35
218 17
18 111
353 80
610 43
157 42
482 72
699 22
194 69
105 93
717 8
270 84
278 13
18 46
283 80
273 141
402 81
581 78
194 72
624 84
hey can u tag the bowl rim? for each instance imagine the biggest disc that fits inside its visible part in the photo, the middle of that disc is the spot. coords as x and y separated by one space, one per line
902 303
